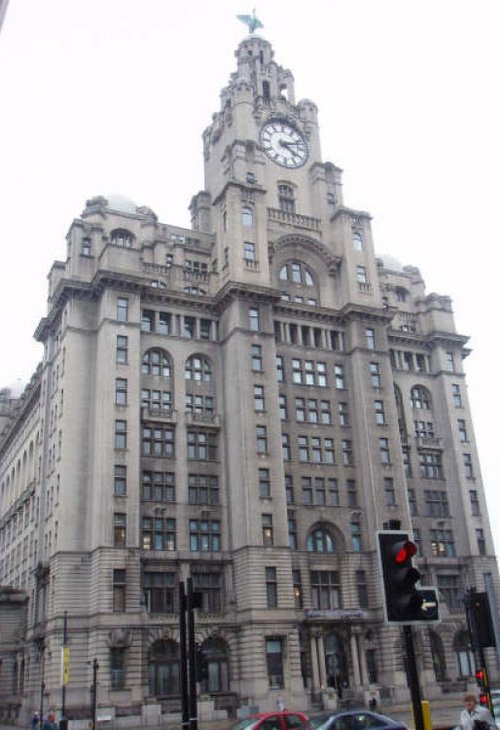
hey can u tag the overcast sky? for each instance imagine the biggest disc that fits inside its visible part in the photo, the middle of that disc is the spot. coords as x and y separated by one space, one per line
100 96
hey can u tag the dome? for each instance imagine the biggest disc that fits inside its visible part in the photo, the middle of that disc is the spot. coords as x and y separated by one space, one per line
391 263
122 203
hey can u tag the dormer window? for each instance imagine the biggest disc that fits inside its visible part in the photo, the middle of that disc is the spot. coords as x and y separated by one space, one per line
122 237
86 247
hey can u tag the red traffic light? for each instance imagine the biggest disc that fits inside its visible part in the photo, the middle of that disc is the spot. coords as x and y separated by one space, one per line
480 675
406 552
483 699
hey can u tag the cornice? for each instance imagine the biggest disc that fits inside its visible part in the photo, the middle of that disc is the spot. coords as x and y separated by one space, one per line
237 290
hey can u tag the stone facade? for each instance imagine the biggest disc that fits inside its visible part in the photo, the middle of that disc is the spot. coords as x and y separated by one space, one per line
246 403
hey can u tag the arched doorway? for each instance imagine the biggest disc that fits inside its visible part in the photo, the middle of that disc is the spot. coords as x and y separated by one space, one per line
337 671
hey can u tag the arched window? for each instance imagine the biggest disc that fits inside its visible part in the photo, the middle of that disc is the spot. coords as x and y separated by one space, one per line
163 669
401 294
420 398
247 215
320 541
357 241
438 657
156 362
198 368
464 654
215 661
296 273
122 237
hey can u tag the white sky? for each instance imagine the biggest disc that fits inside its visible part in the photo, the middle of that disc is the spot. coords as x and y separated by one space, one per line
100 96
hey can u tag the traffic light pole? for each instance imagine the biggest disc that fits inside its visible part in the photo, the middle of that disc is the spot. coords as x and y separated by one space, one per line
193 704
183 656
412 674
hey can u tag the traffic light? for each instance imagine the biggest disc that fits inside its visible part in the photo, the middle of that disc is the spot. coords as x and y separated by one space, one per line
201 664
403 601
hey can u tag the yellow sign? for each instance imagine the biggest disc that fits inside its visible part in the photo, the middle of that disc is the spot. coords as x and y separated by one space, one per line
65 664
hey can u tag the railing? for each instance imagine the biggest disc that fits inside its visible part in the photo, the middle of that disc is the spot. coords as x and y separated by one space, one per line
293 219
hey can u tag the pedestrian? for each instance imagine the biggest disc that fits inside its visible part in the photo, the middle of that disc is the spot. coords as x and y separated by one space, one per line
280 703
35 721
474 716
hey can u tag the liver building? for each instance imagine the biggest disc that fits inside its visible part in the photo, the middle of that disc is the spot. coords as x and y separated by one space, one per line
245 404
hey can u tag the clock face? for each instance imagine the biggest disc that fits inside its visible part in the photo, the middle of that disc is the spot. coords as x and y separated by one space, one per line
283 144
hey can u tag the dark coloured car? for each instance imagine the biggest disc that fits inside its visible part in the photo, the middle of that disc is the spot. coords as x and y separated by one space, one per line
355 720
286 720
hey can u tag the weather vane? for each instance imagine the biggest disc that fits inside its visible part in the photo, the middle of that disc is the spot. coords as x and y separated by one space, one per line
251 21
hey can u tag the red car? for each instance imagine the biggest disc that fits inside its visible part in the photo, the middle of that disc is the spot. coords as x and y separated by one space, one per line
286 720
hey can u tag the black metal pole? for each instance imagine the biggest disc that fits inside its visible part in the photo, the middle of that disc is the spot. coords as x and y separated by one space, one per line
183 656
412 674
193 705
95 667
42 686
63 723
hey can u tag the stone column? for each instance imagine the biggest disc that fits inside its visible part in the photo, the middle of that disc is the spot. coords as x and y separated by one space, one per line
355 659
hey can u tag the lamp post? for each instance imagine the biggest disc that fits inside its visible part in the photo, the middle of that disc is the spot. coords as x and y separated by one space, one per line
93 707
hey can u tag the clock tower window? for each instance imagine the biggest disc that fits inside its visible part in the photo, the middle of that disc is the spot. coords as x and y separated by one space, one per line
286 198
247 216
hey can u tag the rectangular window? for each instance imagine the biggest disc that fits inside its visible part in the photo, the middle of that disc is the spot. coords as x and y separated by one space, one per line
347 453
442 544
361 274
379 413
290 498
385 456
261 439
333 492
163 323
120 481
204 536
370 338
456 395
158 441
121 349
362 588
343 411
326 416
264 483
297 589
119 529
159 592
147 320
307 492
339 376
481 541
430 465
274 661
121 391
258 398
210 585
249 251
412 502
158 533
117 667
325 590
450 362
271 587
390 495
257 358
375 374
469 472
188 327
352 494
285 447
280 369
474 503
253 317
452 592
283 407
407 462
292 533
202 445
267 530
120 434
158 486
436 503
119 590
122 309
462 431
356 537
203 489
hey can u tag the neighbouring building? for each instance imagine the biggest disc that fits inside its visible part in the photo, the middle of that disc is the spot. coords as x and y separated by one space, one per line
244 403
